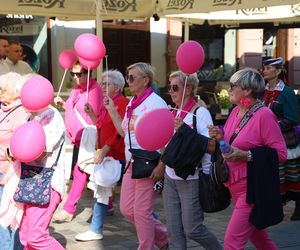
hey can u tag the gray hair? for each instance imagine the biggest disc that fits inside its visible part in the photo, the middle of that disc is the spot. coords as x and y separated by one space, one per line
116 76
10 81
192 80
249 78
23 80
144 68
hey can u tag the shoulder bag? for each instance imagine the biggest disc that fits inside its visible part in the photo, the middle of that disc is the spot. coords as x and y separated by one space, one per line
185 150
143 161
35 182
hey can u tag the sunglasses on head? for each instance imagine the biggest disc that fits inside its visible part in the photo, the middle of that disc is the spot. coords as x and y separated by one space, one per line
78 74
174 87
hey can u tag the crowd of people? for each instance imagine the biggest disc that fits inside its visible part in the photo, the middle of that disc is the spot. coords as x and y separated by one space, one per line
262 123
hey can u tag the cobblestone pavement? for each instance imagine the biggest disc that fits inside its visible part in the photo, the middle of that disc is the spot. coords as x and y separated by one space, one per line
120 234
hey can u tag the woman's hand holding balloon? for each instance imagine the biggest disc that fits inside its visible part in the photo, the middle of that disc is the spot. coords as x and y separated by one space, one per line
59 102
178 123
89 110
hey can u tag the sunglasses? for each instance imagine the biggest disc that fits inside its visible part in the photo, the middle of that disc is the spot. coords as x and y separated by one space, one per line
78 74
174 87
132 78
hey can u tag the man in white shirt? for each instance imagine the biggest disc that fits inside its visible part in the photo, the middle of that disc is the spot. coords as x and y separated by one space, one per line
15 61
3 54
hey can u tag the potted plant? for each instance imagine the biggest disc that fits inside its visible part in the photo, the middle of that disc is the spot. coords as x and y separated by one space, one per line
224 103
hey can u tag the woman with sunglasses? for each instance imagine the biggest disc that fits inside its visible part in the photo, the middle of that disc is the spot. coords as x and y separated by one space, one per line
184 215
81 94
258 146
282 100
137 195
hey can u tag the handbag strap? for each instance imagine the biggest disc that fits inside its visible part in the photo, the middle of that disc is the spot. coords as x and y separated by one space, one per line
129 138
80 118
9 112
245 119
61 142
195 118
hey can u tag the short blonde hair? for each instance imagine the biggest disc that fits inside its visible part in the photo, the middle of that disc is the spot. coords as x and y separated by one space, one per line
144 68
192 80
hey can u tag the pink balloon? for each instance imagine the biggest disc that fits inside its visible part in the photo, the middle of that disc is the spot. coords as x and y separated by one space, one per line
88 64
89 47
67 58
155 129
190 57
37 93
28 142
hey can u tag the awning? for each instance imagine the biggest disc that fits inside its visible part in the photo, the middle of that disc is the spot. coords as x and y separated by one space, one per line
126 9
276 14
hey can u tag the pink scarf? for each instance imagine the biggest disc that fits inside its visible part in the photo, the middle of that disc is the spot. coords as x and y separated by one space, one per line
136 101
187 107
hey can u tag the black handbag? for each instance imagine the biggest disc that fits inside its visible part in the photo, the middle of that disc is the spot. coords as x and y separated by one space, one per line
143 161
213 195
185 150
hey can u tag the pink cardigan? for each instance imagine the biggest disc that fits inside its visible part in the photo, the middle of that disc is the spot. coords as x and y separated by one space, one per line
261 130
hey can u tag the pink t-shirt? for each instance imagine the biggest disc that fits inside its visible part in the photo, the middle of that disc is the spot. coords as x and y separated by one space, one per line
7 127
78 98
261 130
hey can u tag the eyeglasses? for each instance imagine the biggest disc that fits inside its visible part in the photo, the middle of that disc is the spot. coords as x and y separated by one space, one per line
174 87
132 78
104 84
78 74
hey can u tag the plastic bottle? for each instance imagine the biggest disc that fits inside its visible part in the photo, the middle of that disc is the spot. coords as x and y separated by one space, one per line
225 148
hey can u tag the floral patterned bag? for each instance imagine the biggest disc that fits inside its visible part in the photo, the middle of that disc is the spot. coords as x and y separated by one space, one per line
35 182
35 185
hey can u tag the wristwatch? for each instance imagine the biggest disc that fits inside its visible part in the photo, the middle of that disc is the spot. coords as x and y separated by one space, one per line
249 156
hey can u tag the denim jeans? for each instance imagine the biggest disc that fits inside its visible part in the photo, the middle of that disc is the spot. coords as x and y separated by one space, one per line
99 214
9 239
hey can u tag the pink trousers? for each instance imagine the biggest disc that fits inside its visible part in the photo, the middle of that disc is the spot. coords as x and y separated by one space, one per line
239 230
79 181
136 204
34 228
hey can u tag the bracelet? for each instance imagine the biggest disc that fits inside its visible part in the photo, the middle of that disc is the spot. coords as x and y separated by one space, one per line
249 156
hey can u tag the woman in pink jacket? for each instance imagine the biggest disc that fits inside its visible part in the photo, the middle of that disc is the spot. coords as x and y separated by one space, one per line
262 131
81 94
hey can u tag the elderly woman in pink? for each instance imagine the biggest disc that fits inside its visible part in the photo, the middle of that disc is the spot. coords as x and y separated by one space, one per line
33 220
81 94
12 114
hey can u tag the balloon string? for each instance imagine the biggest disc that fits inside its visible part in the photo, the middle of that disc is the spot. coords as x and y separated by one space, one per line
106 69
205 122
62 81
88 85
182 99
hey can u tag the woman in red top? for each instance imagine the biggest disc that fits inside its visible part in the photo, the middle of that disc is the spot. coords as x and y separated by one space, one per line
111 144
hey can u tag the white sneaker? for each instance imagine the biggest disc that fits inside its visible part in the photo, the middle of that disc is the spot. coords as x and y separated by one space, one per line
88 236
63 216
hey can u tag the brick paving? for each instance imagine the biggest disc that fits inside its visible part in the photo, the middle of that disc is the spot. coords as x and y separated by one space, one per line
120 234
